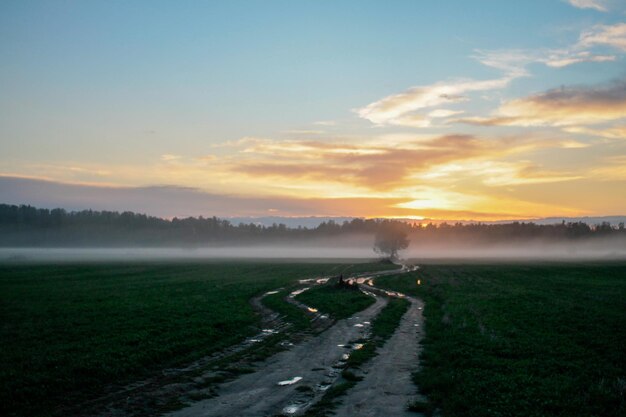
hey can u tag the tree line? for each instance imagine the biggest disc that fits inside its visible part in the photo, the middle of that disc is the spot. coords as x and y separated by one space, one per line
25 225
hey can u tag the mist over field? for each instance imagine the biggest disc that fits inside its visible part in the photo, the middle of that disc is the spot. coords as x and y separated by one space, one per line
358 248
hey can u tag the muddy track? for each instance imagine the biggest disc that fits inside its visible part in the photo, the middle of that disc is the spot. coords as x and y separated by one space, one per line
387 387
291 380
201 378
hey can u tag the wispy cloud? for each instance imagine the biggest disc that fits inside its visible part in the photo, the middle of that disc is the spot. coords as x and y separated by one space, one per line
589 4
369 166
583 50
170 157
605 35
566 106
401 109
613 132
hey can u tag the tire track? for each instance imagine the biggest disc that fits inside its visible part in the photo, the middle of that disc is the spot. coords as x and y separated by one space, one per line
387 386
316 361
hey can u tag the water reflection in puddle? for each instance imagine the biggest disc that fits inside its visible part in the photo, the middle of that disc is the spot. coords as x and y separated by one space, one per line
290 381
322 387
298 292
315 280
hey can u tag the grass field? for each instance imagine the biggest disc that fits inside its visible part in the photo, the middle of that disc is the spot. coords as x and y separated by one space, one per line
69 329
340 303
532 340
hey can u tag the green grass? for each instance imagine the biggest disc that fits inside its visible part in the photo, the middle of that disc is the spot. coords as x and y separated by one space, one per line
290 312
69 329
340 303
532 340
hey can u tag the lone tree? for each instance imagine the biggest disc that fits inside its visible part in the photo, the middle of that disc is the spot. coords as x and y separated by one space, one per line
389 239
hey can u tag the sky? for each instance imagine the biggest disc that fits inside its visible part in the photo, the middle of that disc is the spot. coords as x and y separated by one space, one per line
456 109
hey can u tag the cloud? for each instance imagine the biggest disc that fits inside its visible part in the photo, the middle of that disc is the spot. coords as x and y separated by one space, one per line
366 165
442 113
613 169
175 201
516 60
526 173
170 157
419 106
325 123
589 4
605 35
614 132
564 58
399 109
566 106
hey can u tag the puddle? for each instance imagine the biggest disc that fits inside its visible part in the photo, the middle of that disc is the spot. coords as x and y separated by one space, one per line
315 280
366 322
324 316
358 325
255 340
291 409
270 331
322 387
345 357
290 381
358 346
312 310
297 292
340 345
271 292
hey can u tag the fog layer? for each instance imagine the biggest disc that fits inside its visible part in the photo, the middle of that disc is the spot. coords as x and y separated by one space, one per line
355 247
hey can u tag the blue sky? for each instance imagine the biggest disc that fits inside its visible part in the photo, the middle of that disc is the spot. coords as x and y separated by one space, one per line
108 92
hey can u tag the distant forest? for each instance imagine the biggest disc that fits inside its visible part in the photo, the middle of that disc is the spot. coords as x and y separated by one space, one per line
27 226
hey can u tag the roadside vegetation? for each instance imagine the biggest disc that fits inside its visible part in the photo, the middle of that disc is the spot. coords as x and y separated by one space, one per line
328 299
68 330
291 313
339 302
532 340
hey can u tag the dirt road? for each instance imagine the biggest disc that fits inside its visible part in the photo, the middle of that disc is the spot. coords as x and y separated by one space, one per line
387 386
290 380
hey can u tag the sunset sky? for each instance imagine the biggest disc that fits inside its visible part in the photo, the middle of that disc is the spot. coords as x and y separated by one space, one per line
450 109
